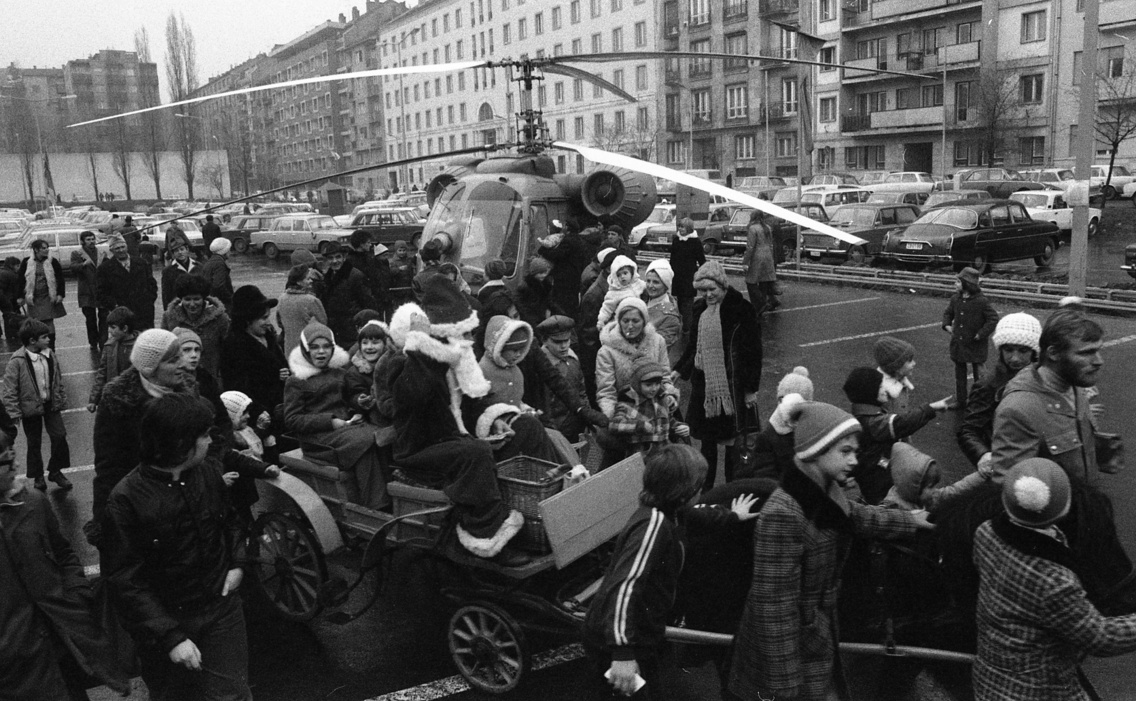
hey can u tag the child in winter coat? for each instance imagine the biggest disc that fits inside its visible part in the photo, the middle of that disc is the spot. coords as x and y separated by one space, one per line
662 308
916 478
33 393
970 319
556 331
626 622
115 359
359 384
881 429
895 360
622 282
774 447
641 418
507 342
247 440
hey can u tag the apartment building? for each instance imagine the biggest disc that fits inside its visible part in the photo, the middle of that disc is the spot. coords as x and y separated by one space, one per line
435 113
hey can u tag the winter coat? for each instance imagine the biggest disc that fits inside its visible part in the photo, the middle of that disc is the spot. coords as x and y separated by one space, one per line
1034 620
1035 420
212 326
686 257
534 300
774 454
168 546
46 604
743 353
216 271
44 308
171 274
972 320
367 264
295 310
786 645
254 368
615 295
210 231
910 470
976 430
86 273
562 415
20 391
569 259
134 288
490 289
345 294
508 381
663 314
589 312
360 379
402 272
10 285
114 361
643 422
616 357
389 366
758 259
881 430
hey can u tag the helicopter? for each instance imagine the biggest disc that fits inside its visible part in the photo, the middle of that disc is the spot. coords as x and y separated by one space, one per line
499 201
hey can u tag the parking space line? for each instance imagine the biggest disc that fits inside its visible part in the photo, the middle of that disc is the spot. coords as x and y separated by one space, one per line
450 686
82 372
869 335
1118 341
78 468
782 310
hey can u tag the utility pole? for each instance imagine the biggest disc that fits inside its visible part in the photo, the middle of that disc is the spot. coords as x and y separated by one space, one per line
1085 147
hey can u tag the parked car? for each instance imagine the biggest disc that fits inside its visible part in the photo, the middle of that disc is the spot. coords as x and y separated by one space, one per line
872 177
906 181
1061 179
938 199
289 232
1129 192
915 198
157 234
659 236
731 235
389 225
663 213
831 198
831 179
763 186
999 182
242 226
104 222
871 222
1050 206
1120 177
62 238
975 235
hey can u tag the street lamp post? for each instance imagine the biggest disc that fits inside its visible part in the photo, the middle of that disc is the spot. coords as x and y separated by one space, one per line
404 175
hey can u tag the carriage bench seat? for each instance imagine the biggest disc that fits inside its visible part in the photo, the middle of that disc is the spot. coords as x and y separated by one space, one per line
411 498
326 479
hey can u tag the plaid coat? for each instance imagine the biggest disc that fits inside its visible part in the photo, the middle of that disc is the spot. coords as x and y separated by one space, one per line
641 420
785 647
1034 620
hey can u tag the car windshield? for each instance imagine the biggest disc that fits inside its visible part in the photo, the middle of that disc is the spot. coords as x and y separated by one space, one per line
785 194
1120 170
937 198
741 217
1030 199
957 217
660 215
318 223
1013 175
854 216
1066 175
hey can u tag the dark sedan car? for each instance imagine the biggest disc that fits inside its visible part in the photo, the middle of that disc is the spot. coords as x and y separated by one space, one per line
241 227
974 235
389 225
869 221
731 235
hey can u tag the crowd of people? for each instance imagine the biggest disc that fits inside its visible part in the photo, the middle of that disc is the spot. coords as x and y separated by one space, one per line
190 413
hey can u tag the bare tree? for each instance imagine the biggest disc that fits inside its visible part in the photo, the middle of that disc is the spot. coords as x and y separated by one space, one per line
1116 109
181 74
998 112
22 138
215 176
237 144
631 140
122 151
152 133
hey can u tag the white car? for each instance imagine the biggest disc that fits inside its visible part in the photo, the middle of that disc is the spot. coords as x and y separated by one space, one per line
1120 178
905 181
1130 192
1050 206
661 214
831 198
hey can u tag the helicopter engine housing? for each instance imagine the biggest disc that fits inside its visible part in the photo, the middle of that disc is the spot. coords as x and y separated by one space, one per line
613 195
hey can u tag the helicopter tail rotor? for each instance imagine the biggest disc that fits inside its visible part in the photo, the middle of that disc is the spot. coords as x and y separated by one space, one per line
615 195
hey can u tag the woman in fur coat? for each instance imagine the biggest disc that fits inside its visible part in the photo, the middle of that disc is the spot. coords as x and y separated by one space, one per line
625 339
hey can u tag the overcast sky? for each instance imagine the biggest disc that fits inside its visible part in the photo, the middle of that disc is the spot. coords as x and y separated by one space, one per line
48 34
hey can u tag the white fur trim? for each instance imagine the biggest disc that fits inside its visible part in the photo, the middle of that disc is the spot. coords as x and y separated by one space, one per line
402 321
506 331
825 442
492 546
1031 494
456 329
302 369
456 353
494 412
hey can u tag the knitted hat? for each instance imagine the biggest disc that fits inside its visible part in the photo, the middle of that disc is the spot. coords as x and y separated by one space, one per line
151 346
863 386
603 252
432 250
447 308
644 369
892 353
311 332
969 275
662 268
115 238
713 270
557 327
1018 329
495 269
301 256
176 237
380 249
819 427
539 265
236 403
221 245
250 303
796 382
400 242
628 303
185 335
1036 492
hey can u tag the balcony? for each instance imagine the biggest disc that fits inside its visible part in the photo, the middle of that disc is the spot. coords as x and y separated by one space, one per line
851 67
856 122
702 120
773 113
735 9
960 53
700 21
674 123
906 119
778 7
673 77
1117 14
700 71
891 8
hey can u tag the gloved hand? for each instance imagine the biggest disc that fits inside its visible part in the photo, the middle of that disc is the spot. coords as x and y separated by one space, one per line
593 417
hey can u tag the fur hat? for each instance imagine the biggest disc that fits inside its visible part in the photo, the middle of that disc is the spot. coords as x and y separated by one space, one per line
713 270
969 275
495 269
447 308
300 256
662 268
892 353
430 251
603 253
150 347
175 237
819 427
236 403
556 326
221 245
332 247
538 265
796 382
250 303
115 238
1036 493
645 368
1018 329
183 334
628 303
863 386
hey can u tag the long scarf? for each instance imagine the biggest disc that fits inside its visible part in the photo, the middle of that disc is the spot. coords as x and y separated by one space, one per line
710 358
154 389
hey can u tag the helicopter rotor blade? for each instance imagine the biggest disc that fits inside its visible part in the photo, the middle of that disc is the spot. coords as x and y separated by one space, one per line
617 159
573 72
376 72
639 55
322 178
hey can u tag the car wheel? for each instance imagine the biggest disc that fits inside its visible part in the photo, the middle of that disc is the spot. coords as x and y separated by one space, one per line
271 251
240 245
981 264
710 247
1108 191
1094 226
1134 199
856 255
1046 258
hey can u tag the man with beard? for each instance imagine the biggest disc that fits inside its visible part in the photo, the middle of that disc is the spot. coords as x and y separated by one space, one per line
345 294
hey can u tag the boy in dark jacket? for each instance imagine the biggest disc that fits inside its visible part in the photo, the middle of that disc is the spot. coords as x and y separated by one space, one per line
969 318
773 450
116 353
881 429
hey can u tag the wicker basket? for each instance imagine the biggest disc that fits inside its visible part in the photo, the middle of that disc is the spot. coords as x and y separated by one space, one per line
524 483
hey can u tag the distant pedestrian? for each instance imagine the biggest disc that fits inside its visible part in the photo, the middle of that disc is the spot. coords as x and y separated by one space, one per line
216 270
298 306
85 263
970 319
686 256
116 352
403 268
43 288
210 231
181 263
131 235
345 294
534 293
10 290
895 360
761 271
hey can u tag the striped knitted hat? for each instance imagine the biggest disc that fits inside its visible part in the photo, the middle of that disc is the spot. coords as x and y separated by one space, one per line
819 427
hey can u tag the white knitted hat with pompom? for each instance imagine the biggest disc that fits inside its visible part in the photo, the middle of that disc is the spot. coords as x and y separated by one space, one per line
1036 493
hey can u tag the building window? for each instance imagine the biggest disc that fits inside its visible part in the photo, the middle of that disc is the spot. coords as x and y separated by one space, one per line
788 44
597 43
828 55
789 95
700 105
597 89
964 33
616 5
522 30
556 18
578 126
699 11
676 152
737 44
640 34
700 67
641 80
506 34
643 119
577 89
827 109
933 39
595 7
461 81
962 101
744 147
1031 150
867 103
617 39
1112 61
932 95
617 78
538 23
1033 26
827 10
904 98
786 144
598 124
1031 88
574 11
737 101
826 158
558 93
619 121
561 130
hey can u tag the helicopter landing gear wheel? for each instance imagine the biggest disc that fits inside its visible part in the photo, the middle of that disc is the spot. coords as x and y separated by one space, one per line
287 566
488 647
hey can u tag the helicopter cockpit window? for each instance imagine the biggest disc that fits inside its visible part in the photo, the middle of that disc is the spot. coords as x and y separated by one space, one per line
486 219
